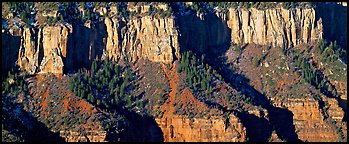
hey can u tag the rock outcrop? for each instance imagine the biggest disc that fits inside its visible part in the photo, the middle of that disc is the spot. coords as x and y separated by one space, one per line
54 43
89 136
52 49
55 49
43 50
214 129
159 39
153 38
309 120
29 53
277 27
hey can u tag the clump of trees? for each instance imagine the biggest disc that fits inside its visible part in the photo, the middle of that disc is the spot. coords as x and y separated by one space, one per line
330 51
15 83
237 47
158 12
122 9
106 85
313 76
288 5
198 76
22 10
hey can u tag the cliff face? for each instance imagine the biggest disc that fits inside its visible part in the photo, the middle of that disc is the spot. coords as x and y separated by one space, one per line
201 33
152 38
309 121
90 136
335 22
67 47
50 49
277 27
42 50
214 129
29 54
54 43
10 49
159 40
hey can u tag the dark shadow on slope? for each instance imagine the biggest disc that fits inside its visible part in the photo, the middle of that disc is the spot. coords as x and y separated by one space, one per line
139 129
258 129
211 37
25 125
280 119
344 105
10 48
324 90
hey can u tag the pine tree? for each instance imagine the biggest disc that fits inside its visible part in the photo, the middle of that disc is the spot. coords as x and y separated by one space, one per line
194 82
79 92
122 88
93 100
330 88
128 99
116 99
89 97
93 67
203 84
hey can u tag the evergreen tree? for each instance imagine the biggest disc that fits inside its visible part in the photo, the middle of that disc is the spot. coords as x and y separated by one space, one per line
128 99
79 92
116 98
93 67
122 88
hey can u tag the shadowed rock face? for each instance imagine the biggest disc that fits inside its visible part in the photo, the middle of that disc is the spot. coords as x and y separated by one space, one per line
335 22
157 39
64 48
10 50
70 47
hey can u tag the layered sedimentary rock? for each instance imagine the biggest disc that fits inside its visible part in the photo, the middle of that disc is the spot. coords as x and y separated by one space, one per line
277 27
43 50
112 45
54 45
214 129
156 39
160 39
69 47
89 136
28 51
153 38
310 120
